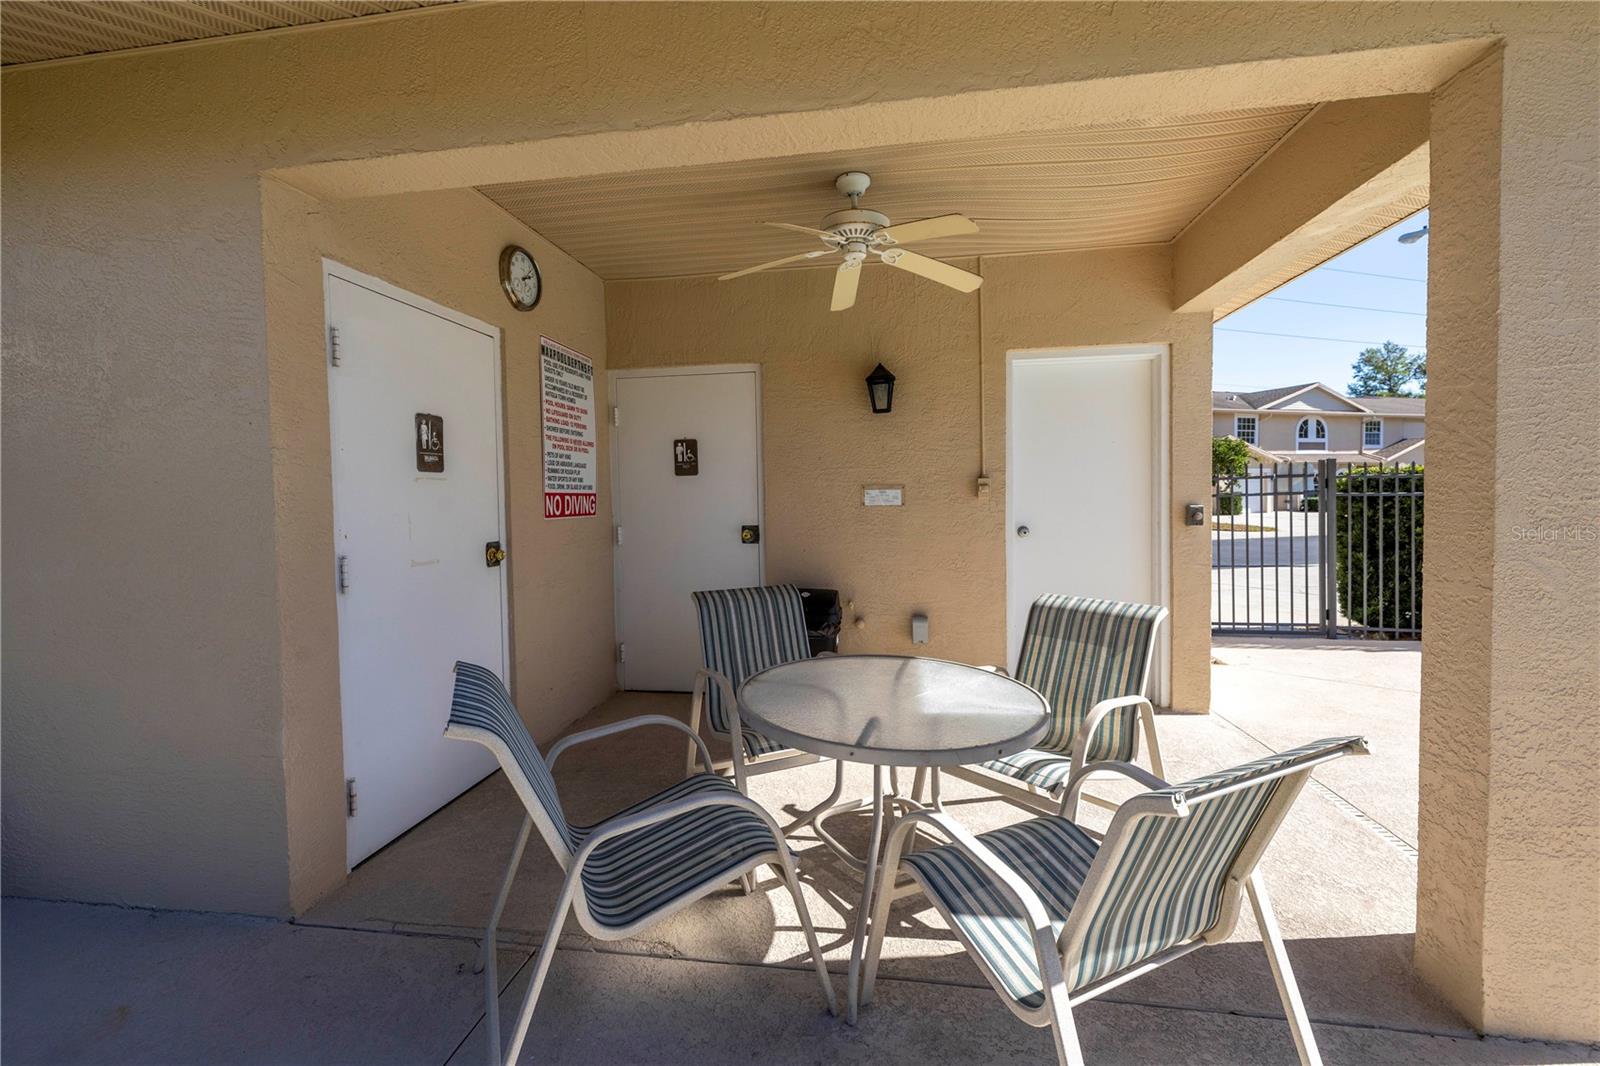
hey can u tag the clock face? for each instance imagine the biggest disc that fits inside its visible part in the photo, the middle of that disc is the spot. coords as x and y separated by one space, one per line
519 277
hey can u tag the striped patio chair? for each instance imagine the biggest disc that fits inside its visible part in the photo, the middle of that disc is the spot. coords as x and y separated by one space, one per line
1054 918
629 871
742 632
1090 659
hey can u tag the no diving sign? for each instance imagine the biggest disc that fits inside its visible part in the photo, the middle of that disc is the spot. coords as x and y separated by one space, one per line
571 463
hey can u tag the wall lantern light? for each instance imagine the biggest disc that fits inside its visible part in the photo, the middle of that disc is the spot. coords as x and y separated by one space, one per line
880 390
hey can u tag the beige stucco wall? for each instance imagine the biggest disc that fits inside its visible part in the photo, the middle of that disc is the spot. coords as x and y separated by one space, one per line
1509 825
143 761
943 552
444 246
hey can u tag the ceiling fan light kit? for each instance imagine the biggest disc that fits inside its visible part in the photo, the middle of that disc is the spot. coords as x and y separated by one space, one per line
856 233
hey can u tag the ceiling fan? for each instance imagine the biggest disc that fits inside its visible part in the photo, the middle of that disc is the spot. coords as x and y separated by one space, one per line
857 233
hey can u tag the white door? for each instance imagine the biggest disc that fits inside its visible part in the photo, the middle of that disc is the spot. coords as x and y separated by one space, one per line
414 386
688 481
1086 488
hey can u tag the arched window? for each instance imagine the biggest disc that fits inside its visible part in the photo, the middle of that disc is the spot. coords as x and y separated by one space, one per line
1311 434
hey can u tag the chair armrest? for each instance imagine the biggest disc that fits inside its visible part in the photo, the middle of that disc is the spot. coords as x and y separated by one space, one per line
1092 720
1069 798
618 826
618 727
705 675
730 702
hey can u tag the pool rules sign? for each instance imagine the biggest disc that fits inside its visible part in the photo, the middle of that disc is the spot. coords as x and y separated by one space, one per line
571 460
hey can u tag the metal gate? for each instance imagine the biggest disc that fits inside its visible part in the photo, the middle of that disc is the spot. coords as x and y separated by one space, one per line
1329 547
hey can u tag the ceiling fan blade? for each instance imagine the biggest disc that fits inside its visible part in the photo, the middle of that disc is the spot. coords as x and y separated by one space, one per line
845 280
928 228
824 234
778 262
933 270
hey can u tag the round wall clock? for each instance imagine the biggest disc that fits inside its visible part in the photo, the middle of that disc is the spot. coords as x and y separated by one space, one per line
519 277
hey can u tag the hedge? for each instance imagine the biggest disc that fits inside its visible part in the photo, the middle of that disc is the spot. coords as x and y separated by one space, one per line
1230 503
1380 532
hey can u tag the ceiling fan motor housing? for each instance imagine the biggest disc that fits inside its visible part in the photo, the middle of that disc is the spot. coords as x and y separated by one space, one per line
855 224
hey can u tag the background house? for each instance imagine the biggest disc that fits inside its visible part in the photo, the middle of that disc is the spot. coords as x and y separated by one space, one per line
1300 423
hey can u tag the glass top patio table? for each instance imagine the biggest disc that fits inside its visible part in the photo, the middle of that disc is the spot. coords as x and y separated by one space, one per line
893 710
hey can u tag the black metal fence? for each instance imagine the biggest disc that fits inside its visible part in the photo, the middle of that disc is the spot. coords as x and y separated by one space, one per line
1327 547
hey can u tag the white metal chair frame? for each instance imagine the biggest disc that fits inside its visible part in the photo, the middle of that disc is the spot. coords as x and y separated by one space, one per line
1057 955
742 766
1032 798
572 898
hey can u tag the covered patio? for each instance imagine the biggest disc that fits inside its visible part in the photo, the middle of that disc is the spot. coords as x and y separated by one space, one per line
218 645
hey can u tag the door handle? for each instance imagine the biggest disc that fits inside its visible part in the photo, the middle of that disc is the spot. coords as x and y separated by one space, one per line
493 554
1023 531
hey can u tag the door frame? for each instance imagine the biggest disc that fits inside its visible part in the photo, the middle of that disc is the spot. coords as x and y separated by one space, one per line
1161 479
333 269
614 471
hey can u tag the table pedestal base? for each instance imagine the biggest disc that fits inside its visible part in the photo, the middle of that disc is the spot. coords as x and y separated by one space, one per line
871 874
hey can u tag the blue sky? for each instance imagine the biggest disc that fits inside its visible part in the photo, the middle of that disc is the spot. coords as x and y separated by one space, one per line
1380 287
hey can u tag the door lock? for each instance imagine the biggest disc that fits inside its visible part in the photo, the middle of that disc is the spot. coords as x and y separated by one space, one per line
493 554
749 534
1023 531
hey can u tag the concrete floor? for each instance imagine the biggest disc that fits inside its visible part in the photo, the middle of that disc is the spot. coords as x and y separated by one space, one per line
381 970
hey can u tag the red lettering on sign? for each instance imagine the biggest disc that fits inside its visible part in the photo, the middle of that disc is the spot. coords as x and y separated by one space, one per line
571 504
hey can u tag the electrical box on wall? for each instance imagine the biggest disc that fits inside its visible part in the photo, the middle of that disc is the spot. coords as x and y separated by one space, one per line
883 495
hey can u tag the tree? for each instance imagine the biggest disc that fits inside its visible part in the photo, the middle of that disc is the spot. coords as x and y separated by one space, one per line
1386 371
1229 456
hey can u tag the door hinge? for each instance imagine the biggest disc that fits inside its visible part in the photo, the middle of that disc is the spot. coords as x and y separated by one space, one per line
616 416
344 573
350 797
622 653
333 345
617 534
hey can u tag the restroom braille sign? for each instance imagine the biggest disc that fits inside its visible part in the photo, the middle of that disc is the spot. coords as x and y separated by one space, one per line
686 457
430 444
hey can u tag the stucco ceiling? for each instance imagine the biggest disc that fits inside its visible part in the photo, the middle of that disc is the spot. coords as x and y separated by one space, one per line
1092 187
36 30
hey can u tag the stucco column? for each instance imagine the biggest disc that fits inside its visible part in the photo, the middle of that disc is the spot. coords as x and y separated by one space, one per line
1508 895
